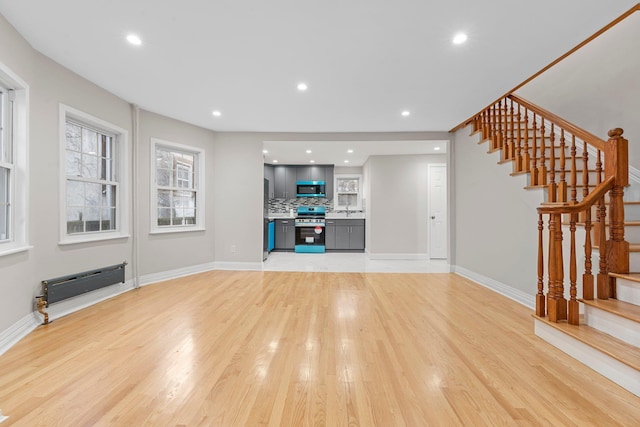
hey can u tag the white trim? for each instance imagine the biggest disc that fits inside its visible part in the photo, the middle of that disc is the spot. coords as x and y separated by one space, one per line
2 417
20 176
199 188
23 327
338 176
618 372
501 288
241 266
399 256
176 230
15 250
71 305
152 278
122 178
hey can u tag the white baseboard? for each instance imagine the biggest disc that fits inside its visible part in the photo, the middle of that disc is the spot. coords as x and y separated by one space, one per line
16 332
149 279
74 304
395 256
506 290
621 374
2 417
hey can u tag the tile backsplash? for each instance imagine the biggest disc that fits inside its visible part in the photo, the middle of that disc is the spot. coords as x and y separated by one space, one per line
283 205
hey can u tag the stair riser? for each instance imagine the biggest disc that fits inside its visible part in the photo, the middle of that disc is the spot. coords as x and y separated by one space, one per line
628 291
616 326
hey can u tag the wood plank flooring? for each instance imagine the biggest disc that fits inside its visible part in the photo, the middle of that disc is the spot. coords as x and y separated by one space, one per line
228 348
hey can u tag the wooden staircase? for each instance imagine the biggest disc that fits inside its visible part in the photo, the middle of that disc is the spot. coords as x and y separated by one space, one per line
594 317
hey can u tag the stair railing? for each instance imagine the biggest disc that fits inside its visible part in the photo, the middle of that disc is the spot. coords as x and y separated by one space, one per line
550 149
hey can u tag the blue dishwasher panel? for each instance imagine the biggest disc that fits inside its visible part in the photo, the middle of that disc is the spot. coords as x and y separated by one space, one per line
272 236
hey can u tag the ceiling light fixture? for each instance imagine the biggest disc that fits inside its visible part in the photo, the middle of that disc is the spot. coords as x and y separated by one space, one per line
275 161
459 38
346 161
406 113
302 87
308 151
217 113
265 151
436 148
349 151
134 39
312 161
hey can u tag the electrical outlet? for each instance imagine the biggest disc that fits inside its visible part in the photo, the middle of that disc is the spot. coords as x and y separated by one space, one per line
234 249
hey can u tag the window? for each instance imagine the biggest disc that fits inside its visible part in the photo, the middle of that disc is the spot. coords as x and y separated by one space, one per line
13 163
93 185
6 165
178 183
348 192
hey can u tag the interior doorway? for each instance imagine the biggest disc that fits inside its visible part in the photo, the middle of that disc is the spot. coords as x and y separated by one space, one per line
437 175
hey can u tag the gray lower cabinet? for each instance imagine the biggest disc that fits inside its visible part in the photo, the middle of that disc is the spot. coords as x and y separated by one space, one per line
330 234
348 234
285 234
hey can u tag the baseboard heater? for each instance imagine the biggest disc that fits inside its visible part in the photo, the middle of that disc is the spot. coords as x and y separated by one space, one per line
61 288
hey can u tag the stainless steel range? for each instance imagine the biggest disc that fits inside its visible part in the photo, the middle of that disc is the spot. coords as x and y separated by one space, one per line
310 232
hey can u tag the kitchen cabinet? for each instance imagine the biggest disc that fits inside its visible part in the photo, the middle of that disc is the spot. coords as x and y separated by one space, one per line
285 177
285 182
269 175
330 234
347 234
285 234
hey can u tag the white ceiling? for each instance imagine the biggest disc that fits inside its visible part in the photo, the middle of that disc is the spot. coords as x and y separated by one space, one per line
364 60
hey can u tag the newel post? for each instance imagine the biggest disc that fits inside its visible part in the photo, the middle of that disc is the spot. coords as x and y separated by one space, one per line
617 166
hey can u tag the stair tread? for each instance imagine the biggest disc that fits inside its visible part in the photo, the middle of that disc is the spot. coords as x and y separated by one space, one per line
633 277
618 349
614 306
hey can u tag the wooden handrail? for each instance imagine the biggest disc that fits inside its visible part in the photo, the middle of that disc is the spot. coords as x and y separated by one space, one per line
588 137
588 40
585 204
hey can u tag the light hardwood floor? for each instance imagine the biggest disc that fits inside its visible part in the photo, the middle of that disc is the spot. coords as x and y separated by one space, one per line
231 348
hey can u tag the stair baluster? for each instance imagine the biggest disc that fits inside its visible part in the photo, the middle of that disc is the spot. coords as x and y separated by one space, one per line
573 316
574 171
552 187
540 298
534 167
526 158
542 169
518 164
562 185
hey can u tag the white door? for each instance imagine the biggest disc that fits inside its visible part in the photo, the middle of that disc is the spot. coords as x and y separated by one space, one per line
438 211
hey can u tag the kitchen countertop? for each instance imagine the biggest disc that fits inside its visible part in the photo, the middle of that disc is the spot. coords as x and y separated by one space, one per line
331 215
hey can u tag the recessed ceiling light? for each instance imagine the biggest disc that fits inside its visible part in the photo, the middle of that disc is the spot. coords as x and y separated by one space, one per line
134 39
436 148
265 151
275 161
459 38
308 151
346 161
349 151
312 161
217 113
302 87
406 113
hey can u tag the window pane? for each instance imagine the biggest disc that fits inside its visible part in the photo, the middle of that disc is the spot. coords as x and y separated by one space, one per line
74 220
74 137
89 141
93 195
164 198
109 195
108 217
73 163
163 177
163 159
89 166
4 204
347 199
75 193
347 185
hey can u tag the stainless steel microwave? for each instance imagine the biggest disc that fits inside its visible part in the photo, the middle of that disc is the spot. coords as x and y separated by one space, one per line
311 189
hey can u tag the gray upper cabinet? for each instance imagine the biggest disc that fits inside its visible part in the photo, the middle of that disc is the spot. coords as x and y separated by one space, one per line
285 177
285 182
270 175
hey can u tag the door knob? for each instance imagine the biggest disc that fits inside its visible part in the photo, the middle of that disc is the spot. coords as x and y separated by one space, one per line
433 217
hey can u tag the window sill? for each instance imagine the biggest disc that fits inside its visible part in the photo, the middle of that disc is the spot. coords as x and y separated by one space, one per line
15 250
91 238
175 230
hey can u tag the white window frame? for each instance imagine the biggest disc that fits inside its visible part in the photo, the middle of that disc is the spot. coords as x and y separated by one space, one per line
17 134
199 187
358 206
122 168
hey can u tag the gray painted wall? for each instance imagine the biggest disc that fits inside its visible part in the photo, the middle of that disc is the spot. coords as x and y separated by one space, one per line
171 251
597 87
397 201
496 220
